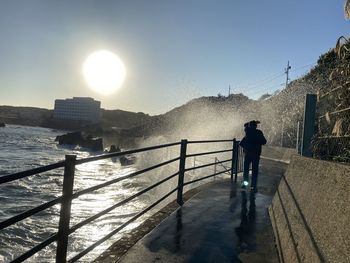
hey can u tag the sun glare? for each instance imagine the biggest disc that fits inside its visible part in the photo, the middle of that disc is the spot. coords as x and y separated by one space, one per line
104 72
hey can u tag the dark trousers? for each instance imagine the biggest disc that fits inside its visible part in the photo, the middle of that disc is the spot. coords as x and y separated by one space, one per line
254 160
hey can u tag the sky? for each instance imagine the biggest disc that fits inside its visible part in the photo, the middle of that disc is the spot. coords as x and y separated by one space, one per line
173 51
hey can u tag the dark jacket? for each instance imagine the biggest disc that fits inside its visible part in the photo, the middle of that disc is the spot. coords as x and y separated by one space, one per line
252 141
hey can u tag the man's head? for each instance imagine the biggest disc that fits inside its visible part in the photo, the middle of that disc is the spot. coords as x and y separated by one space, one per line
254 124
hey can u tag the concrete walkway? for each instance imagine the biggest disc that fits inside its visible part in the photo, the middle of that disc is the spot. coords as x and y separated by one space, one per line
221 223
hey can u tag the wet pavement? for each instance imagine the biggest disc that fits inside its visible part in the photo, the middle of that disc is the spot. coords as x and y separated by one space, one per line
221 223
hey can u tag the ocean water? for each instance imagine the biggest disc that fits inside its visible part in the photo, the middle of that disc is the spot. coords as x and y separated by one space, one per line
24 148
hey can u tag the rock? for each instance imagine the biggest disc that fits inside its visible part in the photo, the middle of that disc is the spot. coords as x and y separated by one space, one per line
124 161
2 124
72 138
114 149
95 144
78 138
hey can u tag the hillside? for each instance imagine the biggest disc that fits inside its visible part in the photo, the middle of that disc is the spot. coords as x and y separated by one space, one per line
123 119
32 116
223 117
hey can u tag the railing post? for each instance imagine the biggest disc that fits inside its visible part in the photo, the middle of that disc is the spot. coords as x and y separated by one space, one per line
182 166
236 160
233 159
216 160
67 191
194 165
234 163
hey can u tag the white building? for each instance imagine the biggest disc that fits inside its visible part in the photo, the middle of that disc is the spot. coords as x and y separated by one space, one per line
83 109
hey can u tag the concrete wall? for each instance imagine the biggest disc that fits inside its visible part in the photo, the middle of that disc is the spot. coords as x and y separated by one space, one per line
278 153
310 212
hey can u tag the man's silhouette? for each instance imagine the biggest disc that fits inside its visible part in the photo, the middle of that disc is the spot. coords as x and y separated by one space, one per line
251 144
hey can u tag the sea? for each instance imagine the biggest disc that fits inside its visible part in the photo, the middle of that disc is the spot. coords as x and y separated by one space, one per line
24 148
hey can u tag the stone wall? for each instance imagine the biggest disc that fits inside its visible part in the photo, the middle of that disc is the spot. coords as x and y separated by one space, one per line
278 153
310 212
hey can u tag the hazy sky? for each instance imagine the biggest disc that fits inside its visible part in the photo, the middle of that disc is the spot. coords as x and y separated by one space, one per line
173 50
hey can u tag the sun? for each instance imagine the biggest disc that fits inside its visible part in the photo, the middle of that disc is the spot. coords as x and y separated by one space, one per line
104 72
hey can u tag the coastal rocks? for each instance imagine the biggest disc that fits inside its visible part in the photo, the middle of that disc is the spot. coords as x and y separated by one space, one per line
114 149
2 125
80 139
124 160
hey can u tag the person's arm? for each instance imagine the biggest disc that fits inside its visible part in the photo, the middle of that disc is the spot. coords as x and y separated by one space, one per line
243 142
262 138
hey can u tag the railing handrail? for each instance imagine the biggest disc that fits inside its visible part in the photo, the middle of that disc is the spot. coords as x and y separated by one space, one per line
67 196
206 177
34 171
119 154
46 168
207 165
30 212
221 163
107 210
81 254
133 174
207 153
208 141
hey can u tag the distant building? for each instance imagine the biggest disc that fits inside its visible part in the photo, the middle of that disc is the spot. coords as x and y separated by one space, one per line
82 109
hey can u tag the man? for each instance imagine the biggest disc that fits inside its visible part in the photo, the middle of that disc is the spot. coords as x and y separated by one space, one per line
251 144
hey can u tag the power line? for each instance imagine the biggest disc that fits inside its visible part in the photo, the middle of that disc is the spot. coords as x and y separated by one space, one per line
256 86
275 76
268 79
305 66
266 90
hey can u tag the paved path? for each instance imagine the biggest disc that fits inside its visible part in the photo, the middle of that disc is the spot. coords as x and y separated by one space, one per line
221 223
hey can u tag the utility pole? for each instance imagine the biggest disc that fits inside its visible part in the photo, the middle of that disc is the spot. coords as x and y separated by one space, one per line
309 124
287 73
298 129
282 134
229 90
286 70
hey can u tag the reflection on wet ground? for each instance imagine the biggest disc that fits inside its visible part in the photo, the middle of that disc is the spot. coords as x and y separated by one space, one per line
216 225
245 230
221 223
178 229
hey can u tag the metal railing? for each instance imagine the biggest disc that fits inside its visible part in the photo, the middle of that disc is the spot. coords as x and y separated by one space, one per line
69 164
332 138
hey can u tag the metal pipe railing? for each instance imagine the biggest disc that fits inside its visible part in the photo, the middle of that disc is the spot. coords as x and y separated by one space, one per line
87 250
207 153
206 177
35 249
64 230
28 213
206 165
105 211
182 167
221 163
208 141
119 154
199 167
96 187
20 175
